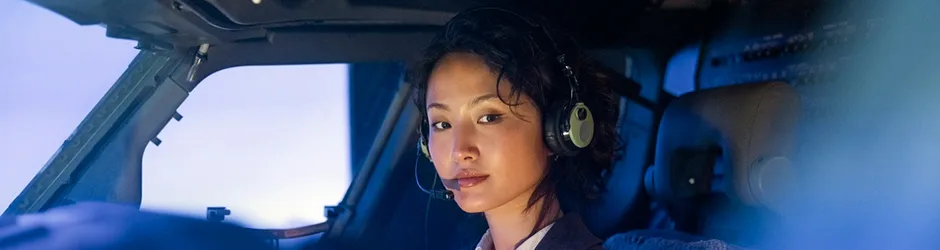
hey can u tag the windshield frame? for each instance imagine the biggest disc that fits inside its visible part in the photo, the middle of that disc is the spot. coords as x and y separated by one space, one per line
135 108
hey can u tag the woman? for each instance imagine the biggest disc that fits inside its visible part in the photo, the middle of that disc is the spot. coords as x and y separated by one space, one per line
502 125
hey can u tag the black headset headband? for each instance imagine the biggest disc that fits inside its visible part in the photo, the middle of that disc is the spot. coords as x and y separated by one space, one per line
560 55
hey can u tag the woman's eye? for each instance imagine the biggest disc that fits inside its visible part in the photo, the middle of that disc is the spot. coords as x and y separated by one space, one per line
490 118
440 125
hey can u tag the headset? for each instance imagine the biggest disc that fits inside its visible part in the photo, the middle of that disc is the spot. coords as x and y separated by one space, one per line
568 127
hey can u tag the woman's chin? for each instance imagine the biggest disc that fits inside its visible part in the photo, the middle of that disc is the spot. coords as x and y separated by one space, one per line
472 211
471 205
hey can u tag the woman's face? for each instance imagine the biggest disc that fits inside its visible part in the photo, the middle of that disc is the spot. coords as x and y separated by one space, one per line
488 155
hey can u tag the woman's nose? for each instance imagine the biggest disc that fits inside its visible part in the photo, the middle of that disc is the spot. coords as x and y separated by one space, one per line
465 149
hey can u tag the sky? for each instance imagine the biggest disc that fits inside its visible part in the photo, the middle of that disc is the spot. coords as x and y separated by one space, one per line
271 143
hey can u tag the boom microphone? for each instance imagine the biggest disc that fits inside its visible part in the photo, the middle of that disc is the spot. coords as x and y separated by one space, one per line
440 194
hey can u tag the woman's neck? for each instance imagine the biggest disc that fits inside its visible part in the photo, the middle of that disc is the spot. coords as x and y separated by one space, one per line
510 224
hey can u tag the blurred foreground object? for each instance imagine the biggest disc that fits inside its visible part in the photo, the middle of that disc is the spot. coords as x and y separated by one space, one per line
112 226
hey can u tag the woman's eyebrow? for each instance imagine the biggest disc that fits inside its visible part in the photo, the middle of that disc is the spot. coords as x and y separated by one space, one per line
435 105
482 98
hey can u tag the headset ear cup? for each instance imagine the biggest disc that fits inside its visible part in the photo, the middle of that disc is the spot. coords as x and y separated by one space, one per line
423 139
552 132
581 125
423 146
569 129
556 132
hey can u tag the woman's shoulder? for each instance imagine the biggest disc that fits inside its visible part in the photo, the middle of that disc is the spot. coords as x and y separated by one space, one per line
569 232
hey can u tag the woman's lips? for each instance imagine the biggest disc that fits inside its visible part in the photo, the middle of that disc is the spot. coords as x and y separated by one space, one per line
465 178
466 182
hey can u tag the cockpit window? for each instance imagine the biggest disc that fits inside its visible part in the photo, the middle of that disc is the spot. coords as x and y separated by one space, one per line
48 86
270 143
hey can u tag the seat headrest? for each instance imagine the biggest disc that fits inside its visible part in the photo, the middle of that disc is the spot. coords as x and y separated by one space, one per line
748 129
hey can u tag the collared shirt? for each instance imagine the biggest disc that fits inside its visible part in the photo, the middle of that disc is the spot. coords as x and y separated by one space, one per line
486 243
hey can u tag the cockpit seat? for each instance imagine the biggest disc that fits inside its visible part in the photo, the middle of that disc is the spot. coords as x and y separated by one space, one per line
721 164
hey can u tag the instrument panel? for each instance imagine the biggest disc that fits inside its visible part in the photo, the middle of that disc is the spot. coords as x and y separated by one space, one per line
801 44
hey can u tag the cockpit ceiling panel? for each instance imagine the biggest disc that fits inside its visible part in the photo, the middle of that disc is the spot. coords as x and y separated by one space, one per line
267 12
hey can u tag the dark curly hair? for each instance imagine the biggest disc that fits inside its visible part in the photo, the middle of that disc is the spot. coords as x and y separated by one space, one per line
524 50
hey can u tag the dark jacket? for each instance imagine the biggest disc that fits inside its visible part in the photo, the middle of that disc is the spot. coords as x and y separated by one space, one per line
570 233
